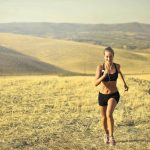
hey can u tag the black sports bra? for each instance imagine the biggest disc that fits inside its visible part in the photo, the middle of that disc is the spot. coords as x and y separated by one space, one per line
110 77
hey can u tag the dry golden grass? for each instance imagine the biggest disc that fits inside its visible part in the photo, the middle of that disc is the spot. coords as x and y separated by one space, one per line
140 76
74 56
59 113
69 55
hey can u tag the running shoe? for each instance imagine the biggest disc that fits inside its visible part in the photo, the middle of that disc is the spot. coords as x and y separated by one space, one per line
112 141
106 138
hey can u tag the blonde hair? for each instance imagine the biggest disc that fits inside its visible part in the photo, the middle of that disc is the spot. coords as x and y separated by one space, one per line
109 49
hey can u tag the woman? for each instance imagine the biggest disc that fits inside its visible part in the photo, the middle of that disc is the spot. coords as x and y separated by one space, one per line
106 76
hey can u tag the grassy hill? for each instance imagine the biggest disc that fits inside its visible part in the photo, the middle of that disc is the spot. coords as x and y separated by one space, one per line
74 56
14 63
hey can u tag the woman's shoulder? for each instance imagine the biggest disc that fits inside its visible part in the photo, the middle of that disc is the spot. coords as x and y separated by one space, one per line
117 65
100 66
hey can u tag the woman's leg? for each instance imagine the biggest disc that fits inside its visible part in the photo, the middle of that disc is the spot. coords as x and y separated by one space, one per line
109 114
104 119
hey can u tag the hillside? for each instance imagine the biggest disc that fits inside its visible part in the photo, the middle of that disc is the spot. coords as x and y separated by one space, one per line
126 35
74 56
14 63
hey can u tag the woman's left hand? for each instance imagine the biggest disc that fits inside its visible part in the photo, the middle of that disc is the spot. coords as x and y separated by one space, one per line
126 87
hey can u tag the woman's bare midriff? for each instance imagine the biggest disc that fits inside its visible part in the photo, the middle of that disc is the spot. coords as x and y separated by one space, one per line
108 87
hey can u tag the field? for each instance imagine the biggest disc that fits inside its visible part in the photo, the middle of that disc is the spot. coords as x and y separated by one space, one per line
51 112
62 113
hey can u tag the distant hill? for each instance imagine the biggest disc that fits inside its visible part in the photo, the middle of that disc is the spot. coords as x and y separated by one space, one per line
14 63
71 56
126 35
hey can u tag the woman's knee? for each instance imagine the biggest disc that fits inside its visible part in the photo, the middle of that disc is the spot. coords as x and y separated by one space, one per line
109 115
103 117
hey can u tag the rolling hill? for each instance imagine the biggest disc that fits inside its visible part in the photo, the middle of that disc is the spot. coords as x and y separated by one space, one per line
74 56
124 35
15 63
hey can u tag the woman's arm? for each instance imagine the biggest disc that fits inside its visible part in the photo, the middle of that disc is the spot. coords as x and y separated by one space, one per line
98 77
121 75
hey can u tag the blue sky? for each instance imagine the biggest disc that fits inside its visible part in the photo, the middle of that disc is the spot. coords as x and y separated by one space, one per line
75 11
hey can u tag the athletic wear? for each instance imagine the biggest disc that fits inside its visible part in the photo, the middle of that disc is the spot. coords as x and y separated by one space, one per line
106 138
112 141
110 77
103 98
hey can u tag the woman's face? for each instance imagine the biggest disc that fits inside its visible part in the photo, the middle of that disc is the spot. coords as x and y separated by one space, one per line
108 57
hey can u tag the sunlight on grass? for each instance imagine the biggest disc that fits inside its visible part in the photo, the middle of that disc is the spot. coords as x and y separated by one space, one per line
51 112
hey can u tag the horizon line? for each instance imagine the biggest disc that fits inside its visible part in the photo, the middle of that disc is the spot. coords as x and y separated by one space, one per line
136 22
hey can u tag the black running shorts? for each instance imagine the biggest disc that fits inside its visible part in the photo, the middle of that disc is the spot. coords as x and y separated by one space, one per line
103 98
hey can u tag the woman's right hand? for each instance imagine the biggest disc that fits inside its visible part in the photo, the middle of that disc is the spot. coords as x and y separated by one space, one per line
106 72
